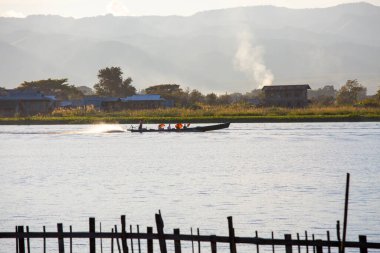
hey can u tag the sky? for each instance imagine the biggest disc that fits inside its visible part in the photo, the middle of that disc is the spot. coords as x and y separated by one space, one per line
87 8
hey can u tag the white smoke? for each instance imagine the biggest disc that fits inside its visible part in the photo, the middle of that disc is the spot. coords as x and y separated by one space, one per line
249 60
117 8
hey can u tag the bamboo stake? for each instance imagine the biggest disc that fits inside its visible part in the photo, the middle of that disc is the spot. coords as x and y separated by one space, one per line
345 212
117 240
138 240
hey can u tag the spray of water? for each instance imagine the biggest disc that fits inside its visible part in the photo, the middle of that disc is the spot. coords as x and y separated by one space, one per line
249 60
104 128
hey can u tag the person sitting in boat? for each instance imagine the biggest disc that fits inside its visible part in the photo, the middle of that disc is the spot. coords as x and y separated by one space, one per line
140 125
186 125
178 126
161 126
169 127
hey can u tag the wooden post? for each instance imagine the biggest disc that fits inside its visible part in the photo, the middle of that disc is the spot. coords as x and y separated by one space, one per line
213 244
231 233
112 241
27 239
192 240
101 239
338 230
92 231
149 242
16 240
199 242
328 240
345 212
319 246
123 235
71 239
273 243
288 245
312 236
130 229
117 240
307 242
138 239
160 231
21 242
363 240
44 229
298 243
257 245
61 246
177 242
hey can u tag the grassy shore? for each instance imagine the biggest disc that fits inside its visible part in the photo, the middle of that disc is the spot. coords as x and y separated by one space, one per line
206 114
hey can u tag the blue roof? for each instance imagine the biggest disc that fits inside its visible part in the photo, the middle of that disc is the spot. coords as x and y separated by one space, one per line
26 95
99 99
149 97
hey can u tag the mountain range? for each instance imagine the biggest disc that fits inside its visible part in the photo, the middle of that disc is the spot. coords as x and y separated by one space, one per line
229 50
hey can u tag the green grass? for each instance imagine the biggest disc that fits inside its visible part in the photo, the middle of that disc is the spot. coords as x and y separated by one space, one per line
207 114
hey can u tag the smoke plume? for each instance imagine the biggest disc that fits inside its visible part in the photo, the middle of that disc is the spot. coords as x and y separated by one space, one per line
249 60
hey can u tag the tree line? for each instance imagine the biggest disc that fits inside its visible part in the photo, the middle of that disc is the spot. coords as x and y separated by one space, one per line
111 83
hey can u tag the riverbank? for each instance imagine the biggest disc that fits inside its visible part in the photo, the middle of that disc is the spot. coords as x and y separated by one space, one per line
233 114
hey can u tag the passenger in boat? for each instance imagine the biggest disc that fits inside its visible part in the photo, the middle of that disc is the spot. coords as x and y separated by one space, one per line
169 127
140 125
161 126
178 126
186 125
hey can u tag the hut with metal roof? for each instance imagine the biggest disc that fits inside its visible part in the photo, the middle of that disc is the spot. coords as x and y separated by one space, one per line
26 103
149 101
286 95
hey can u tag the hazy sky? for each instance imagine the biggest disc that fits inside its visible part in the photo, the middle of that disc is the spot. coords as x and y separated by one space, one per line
85 8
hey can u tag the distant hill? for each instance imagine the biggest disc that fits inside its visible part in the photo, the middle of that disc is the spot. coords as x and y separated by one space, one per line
229 50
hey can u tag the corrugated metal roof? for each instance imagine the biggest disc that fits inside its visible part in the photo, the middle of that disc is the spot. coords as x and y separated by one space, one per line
149 97
100 99
26 98
26 95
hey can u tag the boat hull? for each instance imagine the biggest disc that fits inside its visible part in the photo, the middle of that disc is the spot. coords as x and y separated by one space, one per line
185 130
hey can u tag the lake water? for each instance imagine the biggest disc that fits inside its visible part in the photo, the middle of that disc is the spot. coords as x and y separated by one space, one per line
269 177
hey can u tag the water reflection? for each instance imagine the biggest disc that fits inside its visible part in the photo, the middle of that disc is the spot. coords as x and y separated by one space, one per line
280 177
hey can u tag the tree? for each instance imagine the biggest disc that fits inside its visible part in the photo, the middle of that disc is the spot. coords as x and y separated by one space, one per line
236 98
170 92
211 99
351 93
323 96
373 101
111 83
195 96
56 87
224 99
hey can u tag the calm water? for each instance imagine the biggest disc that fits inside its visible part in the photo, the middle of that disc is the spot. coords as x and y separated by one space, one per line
280 177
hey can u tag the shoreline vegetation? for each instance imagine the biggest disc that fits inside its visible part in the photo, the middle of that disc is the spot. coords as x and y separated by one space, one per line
205 114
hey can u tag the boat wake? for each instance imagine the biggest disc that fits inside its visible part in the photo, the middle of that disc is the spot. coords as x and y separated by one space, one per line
93 129
104 129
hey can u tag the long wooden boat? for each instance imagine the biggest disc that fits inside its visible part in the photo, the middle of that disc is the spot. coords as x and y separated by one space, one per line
189 129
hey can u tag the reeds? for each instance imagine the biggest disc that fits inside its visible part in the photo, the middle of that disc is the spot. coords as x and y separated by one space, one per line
204 113
213 111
